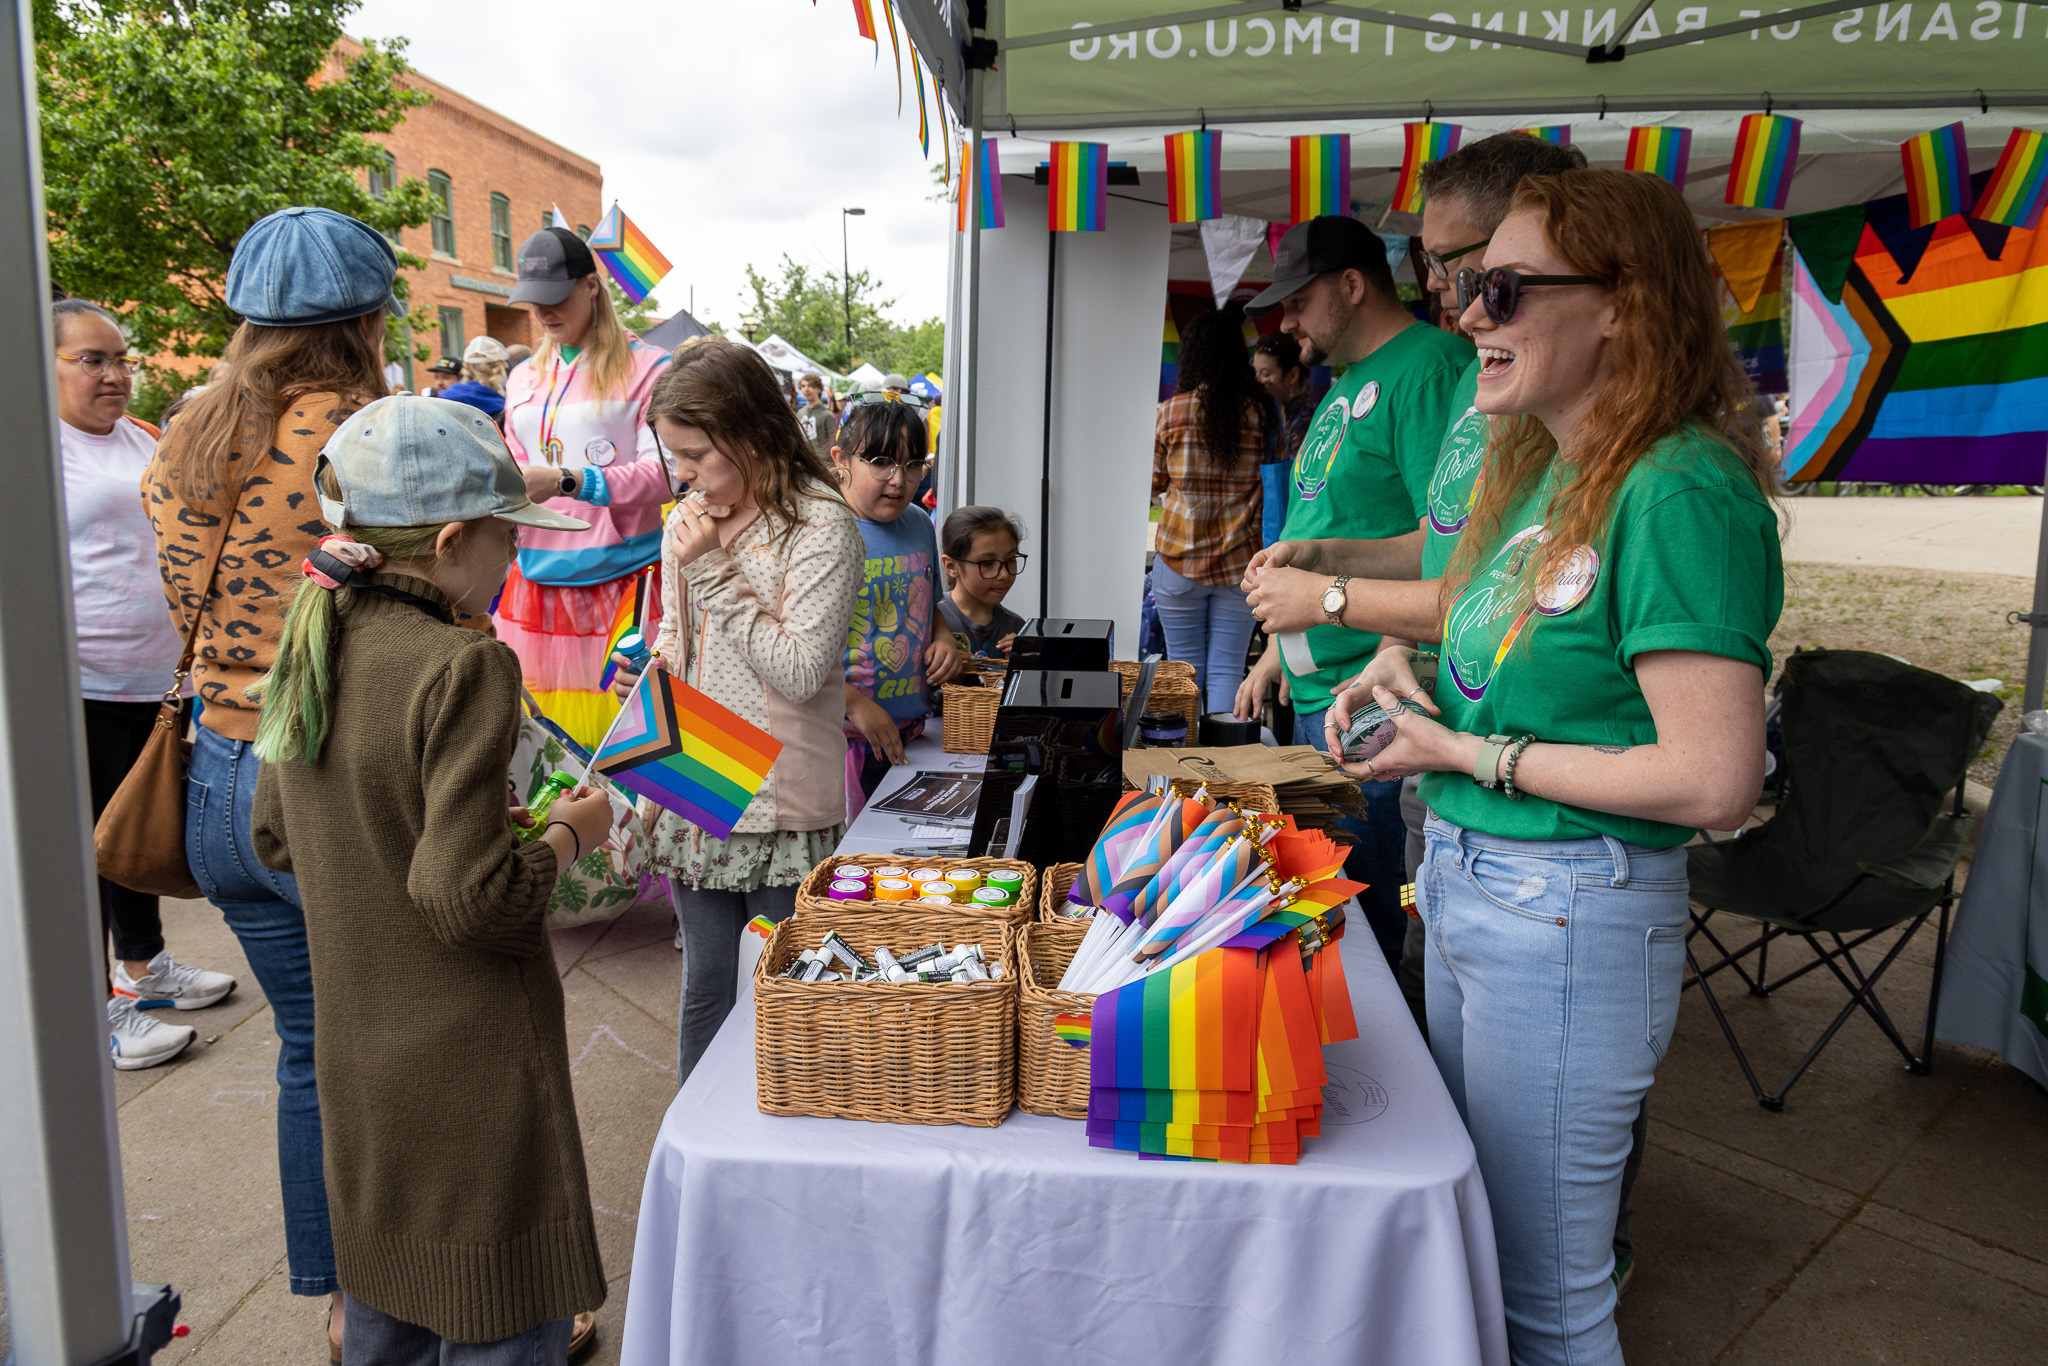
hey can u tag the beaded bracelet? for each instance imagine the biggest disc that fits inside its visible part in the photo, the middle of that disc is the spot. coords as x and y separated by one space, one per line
1507 777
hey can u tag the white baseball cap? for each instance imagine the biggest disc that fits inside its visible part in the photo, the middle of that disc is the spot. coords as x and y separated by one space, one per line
486 350
410 461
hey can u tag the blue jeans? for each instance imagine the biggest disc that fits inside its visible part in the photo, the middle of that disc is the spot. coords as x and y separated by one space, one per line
1554 971
1379 857
1206 626
262 908
372 1337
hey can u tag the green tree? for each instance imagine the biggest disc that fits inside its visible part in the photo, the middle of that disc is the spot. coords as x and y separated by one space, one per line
810 312
636 317
170 126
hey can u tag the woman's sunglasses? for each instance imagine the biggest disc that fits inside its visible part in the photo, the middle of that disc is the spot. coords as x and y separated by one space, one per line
1500 289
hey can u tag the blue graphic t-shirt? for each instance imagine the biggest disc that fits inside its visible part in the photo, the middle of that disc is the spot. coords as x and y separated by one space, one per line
892 620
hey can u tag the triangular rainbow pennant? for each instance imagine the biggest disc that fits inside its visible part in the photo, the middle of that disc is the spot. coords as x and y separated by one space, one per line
626 254
1559 133
631 613
1660 151
1937 174
1766 151
1319 180
2017 189
1422 144
864 20
1194 176
679 749
1079 182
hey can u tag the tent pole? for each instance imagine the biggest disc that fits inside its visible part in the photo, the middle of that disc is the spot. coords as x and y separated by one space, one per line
1052 262
2037 624
949 369
970 344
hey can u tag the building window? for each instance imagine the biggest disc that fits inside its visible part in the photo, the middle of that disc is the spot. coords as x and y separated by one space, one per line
452 338
547 219
501 232
384 176
583 231
442 191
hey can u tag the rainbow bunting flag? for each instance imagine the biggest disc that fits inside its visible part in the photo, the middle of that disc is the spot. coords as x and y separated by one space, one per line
1194 177
1079 183
924 128
679 749
895 47
1660 151
628 619
988 184
2019 186
1766 151
1559 133
1937 174
635 263
864 20
1423 143
1319 176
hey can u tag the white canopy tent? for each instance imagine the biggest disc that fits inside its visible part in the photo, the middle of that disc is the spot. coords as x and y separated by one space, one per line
790 361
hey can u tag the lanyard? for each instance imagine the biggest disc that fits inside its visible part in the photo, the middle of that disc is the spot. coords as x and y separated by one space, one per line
550 408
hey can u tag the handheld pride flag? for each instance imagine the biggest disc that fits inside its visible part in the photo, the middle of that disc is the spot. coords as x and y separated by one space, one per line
1660 151
2018 188
1319 178
1079 181
679 749
635 263
627 620
1424 143
1559 133
1766 151
1194 176
1937 174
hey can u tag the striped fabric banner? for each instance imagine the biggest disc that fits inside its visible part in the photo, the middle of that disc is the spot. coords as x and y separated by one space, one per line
864 20
1194 176
1758 335
1766 153
1559 133
1424 143
988 173
1079 183
2019 186
1660 151
1320 176
1937 174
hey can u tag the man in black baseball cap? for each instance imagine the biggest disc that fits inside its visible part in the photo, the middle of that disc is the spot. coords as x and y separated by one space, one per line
1361 478
550 263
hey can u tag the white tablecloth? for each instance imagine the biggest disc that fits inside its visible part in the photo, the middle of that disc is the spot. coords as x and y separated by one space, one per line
786 1240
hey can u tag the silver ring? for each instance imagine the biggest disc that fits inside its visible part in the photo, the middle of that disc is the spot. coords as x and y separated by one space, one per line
1371 772
1416 691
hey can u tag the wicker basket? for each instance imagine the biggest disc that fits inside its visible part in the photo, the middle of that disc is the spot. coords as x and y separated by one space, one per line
1052 1074
895 1053
1053 885
1248 796
813 895
969 706
1173 689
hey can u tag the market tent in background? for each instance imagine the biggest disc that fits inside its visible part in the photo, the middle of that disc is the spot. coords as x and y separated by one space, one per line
789 360
674 332
863 377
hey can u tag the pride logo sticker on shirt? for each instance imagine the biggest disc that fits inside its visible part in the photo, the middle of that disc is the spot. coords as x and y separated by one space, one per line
1496 606
1454 483
1319 450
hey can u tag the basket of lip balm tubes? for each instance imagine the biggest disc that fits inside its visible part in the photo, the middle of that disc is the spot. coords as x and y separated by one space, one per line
1000 888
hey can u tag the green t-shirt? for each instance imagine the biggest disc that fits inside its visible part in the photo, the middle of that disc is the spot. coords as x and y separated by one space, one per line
1454 486
1362 473
1690 562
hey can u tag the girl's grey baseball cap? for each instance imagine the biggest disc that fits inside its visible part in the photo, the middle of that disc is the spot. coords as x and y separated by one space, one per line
410 461
302 266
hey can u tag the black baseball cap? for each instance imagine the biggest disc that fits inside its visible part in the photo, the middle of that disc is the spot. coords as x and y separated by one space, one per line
1309 249
550 263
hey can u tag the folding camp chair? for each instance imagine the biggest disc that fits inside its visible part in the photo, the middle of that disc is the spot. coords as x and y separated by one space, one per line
1863 843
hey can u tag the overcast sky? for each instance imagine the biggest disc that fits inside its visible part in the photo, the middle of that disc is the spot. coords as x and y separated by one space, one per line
730 132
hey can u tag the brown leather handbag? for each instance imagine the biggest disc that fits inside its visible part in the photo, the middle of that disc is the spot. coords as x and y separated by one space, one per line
140 838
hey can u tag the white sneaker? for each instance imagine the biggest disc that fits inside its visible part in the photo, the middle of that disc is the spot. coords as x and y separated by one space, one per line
171 983
139 1040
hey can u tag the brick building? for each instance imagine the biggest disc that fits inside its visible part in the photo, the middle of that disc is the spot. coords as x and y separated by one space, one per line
493 183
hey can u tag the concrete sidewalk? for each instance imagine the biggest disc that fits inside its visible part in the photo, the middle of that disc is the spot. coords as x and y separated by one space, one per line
1970 535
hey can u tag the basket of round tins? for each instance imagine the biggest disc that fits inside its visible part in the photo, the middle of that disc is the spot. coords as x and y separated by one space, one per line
899 1016
1002 889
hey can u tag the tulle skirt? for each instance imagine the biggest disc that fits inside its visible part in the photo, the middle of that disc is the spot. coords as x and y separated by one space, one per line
559 635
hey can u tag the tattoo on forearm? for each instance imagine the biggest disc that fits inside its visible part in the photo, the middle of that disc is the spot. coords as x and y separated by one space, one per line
1610 749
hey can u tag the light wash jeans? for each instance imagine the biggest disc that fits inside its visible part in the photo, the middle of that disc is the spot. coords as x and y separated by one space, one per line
262 908
1553 980
1206 626
371 1337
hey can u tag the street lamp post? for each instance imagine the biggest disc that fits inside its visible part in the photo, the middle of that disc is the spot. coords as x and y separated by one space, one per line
846 276
750 324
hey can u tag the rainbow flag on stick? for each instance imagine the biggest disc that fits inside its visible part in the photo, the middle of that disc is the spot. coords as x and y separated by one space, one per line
679 749
635 263
1194 176
1937 174
1660 151
1079 181
1559 133
628 619
1424 143
2019 186
1320 175
1766 151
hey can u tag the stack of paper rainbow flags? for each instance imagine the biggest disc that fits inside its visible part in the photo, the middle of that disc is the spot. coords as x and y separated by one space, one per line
1210 950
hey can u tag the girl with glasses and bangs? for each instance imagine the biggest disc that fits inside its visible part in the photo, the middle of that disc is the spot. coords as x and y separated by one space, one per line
982 562
899 646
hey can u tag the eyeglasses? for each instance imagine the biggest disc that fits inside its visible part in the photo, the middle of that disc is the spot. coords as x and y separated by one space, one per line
995 569
875 396
1500 289
885 465
94 364
1440 266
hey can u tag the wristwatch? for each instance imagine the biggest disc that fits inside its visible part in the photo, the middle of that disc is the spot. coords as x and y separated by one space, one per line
1490 751
571 483
1333 599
